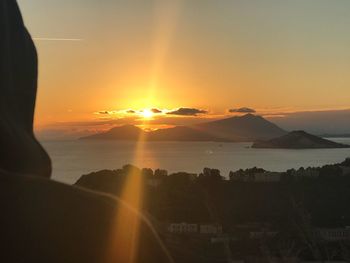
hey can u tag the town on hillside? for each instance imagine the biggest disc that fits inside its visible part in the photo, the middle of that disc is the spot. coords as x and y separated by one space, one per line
251 215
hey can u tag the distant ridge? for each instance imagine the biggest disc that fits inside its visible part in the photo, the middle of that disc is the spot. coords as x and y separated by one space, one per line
299 140
240 128
248 127
122 133
182 133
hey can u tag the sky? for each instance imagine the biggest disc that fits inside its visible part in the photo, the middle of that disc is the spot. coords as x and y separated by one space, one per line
110 62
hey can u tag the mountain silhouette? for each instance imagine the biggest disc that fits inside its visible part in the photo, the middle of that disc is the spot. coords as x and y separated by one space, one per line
243 128
299 140
123 133
182 133
248 127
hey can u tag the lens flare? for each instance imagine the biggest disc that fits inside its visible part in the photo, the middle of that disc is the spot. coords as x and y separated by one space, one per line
125 235
147 114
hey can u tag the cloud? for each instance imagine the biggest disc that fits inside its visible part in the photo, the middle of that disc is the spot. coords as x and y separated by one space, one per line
187 112
242 110
131 111
106 112
156 111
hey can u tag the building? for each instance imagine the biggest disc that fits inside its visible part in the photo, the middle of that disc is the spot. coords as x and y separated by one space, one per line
186 228
210 229
332 234
182 228
262 233
255 177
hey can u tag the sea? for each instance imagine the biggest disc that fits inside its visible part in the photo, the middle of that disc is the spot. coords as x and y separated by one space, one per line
72 159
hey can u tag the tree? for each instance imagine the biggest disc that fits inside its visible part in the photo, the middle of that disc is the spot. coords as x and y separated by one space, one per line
147 172
160 173
210 175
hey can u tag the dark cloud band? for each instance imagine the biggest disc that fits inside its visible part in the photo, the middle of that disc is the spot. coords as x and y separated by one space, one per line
187 112
156 110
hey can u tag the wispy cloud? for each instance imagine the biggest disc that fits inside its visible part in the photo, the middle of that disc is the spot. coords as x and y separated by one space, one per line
56 39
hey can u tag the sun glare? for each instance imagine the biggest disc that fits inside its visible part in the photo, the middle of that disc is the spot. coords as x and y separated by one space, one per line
147 114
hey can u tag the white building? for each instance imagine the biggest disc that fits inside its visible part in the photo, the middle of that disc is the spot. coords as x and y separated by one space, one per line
332 234
257 177
186 228
182 228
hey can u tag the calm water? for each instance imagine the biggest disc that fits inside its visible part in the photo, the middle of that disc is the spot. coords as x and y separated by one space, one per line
71 159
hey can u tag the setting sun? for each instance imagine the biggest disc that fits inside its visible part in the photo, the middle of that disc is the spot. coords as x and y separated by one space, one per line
147 113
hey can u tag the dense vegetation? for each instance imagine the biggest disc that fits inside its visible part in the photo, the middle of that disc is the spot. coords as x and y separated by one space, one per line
208 197
292 207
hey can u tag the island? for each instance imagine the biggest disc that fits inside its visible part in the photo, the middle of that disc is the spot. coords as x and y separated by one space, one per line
245 128
298 140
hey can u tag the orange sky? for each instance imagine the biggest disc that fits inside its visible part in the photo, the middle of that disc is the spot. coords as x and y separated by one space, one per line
268 55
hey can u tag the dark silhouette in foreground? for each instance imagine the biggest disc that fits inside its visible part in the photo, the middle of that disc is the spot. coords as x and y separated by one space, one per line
42 220
19 152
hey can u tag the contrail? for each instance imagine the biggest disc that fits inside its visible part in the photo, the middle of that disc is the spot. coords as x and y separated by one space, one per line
56 39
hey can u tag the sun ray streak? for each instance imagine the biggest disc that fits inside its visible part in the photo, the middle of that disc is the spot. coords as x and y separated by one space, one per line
166 17
126 232
125 236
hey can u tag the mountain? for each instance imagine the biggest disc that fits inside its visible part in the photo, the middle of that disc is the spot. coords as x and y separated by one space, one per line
133 133
122 133
298 140
182 133
244 128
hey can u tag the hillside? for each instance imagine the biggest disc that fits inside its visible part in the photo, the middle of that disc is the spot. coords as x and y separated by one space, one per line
182 133
243 128
298 140
122 133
